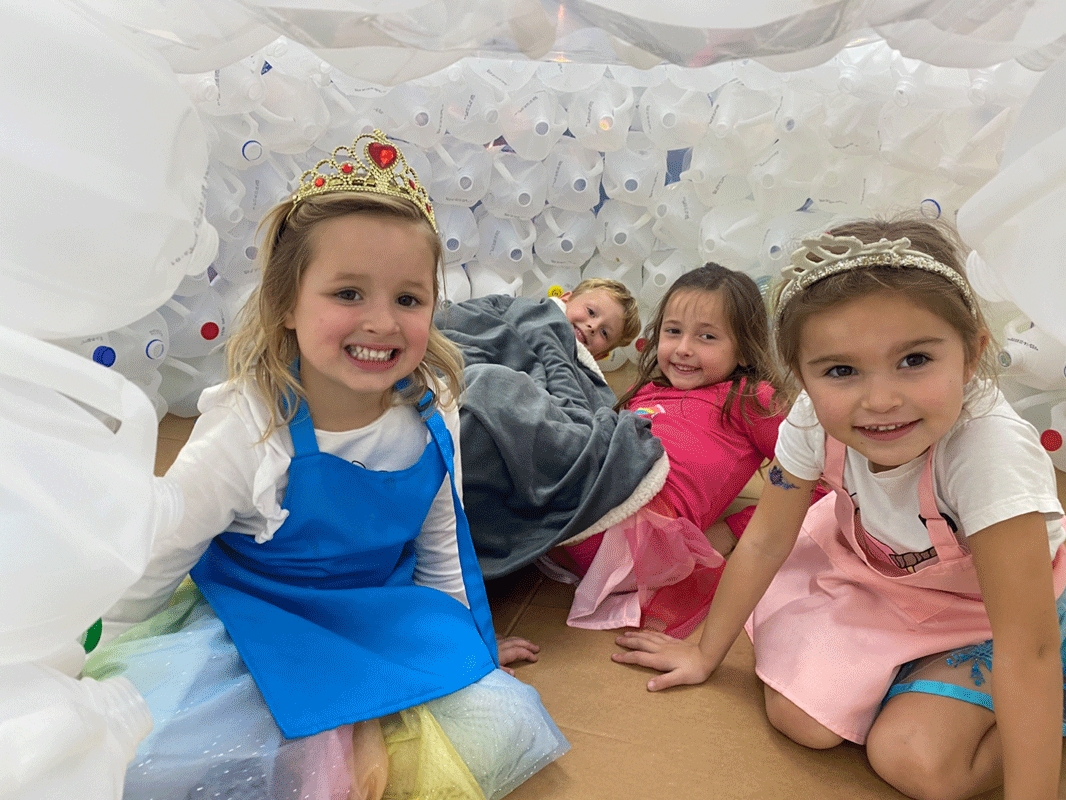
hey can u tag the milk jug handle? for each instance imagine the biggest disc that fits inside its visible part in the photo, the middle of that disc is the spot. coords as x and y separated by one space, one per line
643 220
549 219
501 168
1037 399
530 234
1017 326
41 363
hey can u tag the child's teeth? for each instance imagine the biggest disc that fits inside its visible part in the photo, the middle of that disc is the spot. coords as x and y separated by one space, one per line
366 354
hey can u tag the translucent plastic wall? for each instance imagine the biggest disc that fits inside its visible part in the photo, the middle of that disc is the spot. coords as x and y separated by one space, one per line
142 142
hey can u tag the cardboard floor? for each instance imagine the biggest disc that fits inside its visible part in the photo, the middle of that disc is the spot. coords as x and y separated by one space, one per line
710 741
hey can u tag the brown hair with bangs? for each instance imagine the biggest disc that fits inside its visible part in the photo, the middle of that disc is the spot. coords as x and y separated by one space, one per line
746 316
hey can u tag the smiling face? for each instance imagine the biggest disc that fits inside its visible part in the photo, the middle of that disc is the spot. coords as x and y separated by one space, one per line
362 315
696 345
886 376
597 319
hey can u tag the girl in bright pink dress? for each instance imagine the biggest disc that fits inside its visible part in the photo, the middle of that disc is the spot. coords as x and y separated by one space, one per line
702 383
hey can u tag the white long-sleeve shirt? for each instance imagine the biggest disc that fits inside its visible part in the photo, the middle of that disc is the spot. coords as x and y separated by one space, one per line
231 481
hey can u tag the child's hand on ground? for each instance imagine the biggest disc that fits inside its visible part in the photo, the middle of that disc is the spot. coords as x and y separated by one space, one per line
515 648
682 661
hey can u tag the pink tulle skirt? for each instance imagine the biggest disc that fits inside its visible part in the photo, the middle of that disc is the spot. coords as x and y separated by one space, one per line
649 571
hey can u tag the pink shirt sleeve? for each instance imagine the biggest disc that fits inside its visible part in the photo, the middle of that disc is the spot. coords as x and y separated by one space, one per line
762 430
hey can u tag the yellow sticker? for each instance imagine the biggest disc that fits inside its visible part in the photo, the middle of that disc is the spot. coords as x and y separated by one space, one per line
556 291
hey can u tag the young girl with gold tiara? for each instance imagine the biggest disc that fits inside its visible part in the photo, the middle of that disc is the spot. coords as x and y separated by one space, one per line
345 648
918 608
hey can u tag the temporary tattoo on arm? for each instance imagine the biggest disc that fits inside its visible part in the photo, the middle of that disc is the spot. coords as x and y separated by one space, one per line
777 478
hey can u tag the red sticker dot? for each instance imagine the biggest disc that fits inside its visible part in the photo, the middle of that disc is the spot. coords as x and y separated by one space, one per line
1051 439
209 330
640 344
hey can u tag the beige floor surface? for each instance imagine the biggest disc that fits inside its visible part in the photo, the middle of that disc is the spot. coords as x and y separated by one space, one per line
691 743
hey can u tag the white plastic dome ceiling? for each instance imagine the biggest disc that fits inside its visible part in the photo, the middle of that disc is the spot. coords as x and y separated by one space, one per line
99 187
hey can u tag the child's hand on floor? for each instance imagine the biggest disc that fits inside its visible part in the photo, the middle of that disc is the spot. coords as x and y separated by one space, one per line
515 648
681 660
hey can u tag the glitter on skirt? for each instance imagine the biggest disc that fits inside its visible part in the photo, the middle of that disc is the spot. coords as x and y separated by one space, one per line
214 737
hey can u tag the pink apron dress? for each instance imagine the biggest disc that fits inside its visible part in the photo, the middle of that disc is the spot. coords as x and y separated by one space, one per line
840 617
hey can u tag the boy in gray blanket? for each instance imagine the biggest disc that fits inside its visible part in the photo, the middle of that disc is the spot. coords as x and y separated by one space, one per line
544 455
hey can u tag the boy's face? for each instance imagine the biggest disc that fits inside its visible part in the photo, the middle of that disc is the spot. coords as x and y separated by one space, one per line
597 319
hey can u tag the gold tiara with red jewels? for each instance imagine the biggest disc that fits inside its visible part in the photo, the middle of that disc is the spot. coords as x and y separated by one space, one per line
371 163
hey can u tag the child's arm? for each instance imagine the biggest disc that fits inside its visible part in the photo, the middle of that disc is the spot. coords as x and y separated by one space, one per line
761 430
1014 570
758 555
214 471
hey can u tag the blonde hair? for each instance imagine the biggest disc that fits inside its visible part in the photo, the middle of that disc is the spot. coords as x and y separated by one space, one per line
745 314
621 295
263 351
935 293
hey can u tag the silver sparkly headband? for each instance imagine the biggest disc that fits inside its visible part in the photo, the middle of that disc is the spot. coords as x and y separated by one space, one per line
820 256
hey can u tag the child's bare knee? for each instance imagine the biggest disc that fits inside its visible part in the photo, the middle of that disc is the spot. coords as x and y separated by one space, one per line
797 724
721 538
916 767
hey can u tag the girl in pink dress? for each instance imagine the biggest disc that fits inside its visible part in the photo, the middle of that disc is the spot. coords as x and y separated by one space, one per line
873 614
701 381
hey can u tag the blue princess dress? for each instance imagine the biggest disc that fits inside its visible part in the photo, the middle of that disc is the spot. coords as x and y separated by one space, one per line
254 692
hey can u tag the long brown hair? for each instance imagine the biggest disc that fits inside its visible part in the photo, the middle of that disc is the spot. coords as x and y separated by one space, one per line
746 316
262 350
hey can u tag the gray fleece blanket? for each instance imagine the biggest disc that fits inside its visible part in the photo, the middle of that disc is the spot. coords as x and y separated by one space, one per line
545 458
